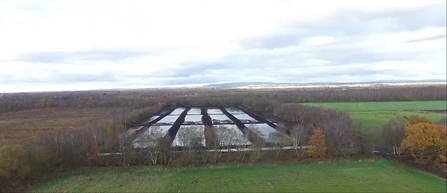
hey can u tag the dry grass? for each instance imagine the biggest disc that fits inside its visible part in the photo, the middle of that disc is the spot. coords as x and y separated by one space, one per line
18 126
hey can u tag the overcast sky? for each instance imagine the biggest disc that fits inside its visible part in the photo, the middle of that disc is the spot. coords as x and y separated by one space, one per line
94 44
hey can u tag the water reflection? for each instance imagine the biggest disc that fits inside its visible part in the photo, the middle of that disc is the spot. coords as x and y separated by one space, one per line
244 118
234 110
220 119
194 111
214 111
149 120
170 119
193 119
177 111
230 135
150 137
268 133
190 136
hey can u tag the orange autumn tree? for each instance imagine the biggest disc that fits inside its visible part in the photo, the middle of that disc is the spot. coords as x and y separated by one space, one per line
414 119
426 141
317 144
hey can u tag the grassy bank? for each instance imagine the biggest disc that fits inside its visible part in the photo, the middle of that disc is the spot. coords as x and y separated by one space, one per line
378 113
375 176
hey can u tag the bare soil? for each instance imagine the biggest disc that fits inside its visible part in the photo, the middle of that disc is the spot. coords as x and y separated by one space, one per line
408 161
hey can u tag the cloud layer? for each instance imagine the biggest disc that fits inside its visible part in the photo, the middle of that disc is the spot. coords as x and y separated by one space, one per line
76 45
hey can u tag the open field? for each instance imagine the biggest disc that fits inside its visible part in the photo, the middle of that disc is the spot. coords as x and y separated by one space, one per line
379 118
373 176
385 106
17 126
378 113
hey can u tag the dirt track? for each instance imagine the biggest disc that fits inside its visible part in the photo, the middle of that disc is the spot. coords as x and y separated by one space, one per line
408 161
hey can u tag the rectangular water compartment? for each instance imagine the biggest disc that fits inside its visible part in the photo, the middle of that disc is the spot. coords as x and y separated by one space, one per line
190 136
194 111
267 133
244 118
130 131
234 110
214 111
193 119
230 135
177 111
168 120
149 138
273 121
149 120
220 119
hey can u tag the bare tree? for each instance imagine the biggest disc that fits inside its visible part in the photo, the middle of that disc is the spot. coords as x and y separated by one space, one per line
394 133
299 137
279 140
192 139
239 142
224 139
373 136
151 140
164 147
211 137
257 143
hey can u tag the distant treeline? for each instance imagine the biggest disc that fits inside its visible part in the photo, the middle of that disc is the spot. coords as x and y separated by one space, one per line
267 99
258 97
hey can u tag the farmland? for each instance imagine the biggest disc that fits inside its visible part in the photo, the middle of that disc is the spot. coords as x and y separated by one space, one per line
369 176
201 130
378 113
18 126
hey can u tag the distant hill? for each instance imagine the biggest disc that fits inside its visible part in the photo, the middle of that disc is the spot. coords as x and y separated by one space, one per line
240 84
273 84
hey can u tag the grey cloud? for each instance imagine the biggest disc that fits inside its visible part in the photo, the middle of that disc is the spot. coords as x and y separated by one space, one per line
333 72
273 41
340 56
67 78
427 38
188 80
345 60
185 71
353 24
95 55
166 74
6 78
86 78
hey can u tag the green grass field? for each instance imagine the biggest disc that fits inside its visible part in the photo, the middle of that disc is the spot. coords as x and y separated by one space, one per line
378 113
372 176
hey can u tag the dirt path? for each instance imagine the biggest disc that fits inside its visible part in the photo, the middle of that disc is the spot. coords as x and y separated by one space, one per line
408 161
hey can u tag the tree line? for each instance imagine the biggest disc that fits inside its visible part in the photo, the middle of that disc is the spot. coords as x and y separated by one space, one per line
261 98
327 133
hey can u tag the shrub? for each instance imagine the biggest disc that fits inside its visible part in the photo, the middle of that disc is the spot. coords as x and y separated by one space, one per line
318 148
415 119
13 163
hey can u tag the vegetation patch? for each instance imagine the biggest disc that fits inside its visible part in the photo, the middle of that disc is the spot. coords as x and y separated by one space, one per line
378 113
385 106
375 176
